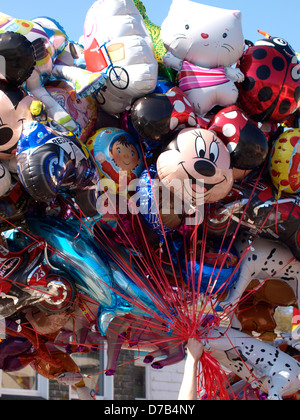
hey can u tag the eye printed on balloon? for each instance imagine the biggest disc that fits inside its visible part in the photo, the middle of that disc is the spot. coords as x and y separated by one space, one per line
201 161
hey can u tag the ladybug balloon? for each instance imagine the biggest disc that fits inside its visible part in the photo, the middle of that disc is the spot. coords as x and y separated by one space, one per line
271 90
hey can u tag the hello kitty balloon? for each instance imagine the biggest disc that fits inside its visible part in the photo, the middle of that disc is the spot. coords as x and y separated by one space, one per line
203 42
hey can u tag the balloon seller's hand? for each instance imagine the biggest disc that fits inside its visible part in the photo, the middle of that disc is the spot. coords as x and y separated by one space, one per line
195 349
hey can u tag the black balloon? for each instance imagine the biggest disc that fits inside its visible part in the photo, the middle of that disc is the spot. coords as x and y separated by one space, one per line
151 116
19 57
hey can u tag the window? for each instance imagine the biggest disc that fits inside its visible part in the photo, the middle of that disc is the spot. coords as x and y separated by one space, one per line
23 383
93 364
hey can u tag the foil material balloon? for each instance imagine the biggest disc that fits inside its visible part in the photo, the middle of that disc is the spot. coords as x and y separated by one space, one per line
117 154
96 274
14 112
285 162
117 43
82 110
149 202
277 374
271 90
19 55
51 161
252 206
203 42
246 143
215 275
158 116
51 53
197 166
263 260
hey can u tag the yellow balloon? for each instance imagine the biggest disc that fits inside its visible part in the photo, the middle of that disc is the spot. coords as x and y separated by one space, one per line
285 162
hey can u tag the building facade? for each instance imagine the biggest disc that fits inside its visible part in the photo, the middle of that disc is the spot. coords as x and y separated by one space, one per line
133 381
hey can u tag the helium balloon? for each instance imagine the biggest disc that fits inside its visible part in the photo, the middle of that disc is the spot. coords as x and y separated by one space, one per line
252 206
263 259
159 49
19 55
285 162
14 113
81 110
116 151
117 43
46 54
149 202
196 165
217 274
246 143
203 42
271 90
50 160
158 116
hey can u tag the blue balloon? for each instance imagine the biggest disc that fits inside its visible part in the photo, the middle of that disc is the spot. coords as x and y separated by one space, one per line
52 160
148 203
163 86
95 270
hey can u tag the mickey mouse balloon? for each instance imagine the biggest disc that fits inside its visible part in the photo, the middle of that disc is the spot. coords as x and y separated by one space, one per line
271 90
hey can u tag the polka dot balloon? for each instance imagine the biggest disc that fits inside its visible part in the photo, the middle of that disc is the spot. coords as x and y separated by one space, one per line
271 90
158 116
247 145
285 162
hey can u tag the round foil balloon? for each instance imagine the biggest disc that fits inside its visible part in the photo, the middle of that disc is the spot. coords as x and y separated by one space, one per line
285 162
116 151
271 90
196 165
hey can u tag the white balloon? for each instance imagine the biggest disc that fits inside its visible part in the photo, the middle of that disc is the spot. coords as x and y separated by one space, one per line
119 24
202 43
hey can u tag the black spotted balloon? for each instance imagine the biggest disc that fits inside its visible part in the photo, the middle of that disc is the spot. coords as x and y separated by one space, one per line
271 90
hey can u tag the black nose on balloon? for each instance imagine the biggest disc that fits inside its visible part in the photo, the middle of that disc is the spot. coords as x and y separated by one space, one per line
205 168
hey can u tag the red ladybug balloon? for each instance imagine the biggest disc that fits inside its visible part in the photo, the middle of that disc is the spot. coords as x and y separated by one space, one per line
271 90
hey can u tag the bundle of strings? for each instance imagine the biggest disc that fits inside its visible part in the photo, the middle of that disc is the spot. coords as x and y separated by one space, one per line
178 305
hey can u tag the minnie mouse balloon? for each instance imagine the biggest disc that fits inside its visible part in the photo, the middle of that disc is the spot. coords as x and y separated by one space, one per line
197 166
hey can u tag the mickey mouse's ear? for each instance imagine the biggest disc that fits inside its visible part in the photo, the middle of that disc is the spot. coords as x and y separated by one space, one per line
17 58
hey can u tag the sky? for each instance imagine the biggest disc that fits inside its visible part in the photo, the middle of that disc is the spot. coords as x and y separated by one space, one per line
276 17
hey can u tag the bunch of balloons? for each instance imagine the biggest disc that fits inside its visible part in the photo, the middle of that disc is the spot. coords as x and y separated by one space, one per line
150 194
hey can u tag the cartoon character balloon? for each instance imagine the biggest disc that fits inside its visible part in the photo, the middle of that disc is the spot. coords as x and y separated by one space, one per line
271 90
117 42
285 162
52 56
197 166
115 151
203 42
15 105
81 110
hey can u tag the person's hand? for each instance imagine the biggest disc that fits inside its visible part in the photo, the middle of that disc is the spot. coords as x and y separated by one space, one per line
195 349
